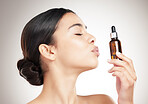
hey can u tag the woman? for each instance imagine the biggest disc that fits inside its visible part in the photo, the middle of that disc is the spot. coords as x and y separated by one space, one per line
56 49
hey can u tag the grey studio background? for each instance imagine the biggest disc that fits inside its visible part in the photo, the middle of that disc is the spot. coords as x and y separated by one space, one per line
130 18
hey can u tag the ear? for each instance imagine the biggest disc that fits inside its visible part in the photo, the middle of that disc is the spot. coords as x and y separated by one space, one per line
47 51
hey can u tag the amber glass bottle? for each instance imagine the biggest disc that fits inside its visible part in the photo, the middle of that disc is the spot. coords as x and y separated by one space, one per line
115 44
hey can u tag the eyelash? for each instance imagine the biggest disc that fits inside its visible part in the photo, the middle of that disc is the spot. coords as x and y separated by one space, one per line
79 34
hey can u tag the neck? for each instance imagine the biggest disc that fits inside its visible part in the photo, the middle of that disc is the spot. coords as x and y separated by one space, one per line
59 88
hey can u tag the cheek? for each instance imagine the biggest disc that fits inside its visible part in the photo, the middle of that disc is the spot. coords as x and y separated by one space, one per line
77 53
75 47
71 50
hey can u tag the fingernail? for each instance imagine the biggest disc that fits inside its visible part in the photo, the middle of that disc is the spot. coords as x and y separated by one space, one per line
109 70
118 53
108 60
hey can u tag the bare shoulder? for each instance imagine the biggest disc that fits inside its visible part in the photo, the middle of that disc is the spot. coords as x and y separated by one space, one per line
96 99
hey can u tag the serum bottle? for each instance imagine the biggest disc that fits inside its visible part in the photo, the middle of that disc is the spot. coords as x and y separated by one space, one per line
115 44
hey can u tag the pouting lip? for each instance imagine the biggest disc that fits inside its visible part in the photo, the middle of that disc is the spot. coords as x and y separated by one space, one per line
96 50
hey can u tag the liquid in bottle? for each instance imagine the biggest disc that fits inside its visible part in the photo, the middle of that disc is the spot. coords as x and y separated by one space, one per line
115 44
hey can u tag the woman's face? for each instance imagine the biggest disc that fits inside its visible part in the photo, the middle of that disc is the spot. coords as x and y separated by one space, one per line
74 44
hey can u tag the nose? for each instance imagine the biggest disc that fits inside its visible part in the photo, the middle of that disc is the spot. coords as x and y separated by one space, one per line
92 39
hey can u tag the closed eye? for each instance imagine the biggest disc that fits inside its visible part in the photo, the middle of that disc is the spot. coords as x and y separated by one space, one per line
78 34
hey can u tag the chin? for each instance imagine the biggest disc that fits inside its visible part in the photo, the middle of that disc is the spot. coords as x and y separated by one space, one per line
91 65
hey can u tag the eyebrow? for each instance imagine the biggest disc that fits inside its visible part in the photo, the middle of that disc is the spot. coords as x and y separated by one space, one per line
77 24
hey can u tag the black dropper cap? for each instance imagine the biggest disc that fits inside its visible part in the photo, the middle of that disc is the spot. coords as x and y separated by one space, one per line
113 29
113 33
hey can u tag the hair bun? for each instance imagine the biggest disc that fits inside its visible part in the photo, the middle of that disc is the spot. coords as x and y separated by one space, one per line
31 72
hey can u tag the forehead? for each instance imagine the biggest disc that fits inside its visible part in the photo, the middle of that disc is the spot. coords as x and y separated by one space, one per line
69 19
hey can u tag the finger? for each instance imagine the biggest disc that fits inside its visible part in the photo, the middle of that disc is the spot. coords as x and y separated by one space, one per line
121 76
125 78
130 62
124 58
122 69
119 63
129 81
113 69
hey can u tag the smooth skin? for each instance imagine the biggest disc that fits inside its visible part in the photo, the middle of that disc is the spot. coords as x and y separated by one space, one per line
125 78
63 63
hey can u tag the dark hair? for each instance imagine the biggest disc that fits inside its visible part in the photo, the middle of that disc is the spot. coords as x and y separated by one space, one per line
38 30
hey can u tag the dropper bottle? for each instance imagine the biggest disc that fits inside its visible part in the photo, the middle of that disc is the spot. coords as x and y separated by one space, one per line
115 44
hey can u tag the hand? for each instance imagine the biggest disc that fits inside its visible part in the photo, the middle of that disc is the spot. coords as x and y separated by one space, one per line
125 78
